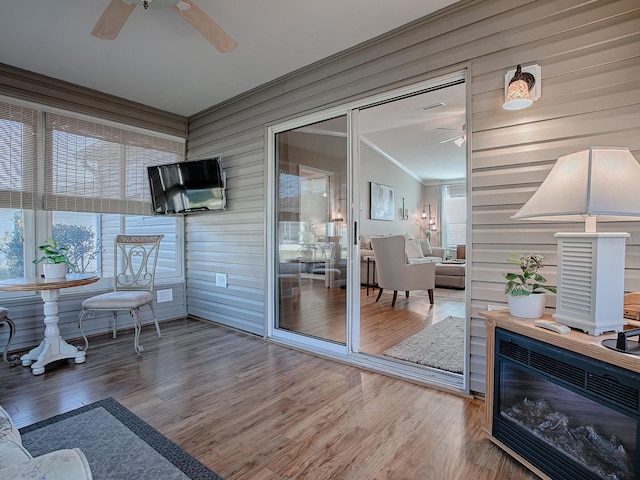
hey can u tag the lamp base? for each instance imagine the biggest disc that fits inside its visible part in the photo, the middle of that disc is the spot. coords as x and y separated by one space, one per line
591 281
592 328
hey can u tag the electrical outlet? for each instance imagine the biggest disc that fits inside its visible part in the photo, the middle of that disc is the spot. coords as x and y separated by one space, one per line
164 295
221 280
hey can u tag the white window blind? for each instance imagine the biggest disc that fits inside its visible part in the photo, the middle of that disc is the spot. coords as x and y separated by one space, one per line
18 158
457 234
90 167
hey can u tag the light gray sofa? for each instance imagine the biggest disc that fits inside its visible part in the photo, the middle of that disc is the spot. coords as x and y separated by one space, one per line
17 463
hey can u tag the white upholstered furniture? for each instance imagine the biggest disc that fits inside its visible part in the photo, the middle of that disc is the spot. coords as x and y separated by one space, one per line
17 463
417 251
135 265
393 271
451 274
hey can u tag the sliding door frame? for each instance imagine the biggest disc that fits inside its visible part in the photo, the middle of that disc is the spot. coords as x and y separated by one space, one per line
350 353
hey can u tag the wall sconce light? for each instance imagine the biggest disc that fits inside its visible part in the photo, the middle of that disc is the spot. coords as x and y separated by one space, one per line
338 217
521 88
404 213
431 224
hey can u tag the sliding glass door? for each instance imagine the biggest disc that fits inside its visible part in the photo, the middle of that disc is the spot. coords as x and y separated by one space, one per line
311 234
326 172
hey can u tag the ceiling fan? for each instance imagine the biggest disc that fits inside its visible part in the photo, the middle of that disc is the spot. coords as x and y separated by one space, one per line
458 139
117 12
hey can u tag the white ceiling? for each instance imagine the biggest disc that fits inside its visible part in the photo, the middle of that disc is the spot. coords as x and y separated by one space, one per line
159 60
412 136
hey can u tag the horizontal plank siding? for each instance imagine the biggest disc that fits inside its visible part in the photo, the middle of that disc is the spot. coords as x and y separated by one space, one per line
589 58
231 242
33 87
589 54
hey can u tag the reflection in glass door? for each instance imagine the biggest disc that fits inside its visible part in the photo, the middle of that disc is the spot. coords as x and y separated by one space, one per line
311 238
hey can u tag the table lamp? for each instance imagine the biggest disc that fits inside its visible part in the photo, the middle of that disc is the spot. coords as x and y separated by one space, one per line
597 183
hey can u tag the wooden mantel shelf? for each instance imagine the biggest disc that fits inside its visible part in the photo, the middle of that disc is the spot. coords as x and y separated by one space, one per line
576 341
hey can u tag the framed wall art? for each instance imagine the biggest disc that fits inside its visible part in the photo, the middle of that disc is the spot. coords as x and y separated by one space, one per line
382 202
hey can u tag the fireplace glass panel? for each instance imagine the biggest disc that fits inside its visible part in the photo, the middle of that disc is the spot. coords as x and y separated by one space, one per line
591 434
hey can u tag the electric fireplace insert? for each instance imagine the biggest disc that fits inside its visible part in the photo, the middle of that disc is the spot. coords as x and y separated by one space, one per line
571 416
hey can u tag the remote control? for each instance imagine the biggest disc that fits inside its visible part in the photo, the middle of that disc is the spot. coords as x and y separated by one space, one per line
553 326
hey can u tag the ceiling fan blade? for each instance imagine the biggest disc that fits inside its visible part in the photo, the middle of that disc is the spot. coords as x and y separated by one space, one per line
198 19
112 19
449 139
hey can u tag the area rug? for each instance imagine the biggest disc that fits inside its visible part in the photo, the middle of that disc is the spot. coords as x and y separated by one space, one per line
117 444
439 346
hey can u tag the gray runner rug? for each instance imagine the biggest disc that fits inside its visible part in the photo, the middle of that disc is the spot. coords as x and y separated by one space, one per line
440 346
117 444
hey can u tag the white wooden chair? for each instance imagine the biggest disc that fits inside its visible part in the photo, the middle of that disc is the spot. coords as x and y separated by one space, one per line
393 271
135 258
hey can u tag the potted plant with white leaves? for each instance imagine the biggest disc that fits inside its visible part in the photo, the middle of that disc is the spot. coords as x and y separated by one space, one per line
55 259
526 291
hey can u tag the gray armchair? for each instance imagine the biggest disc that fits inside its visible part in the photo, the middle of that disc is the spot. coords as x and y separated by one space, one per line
393 271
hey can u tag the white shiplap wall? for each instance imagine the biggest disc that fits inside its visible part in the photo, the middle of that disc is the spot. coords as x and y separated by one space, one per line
589 53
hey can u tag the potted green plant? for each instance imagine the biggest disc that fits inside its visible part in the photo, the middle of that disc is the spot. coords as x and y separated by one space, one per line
526 291
55 259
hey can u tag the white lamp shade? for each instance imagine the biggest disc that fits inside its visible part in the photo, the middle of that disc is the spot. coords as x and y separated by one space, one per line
601 181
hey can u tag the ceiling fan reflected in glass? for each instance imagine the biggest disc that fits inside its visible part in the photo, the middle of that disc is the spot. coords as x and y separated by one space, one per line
458 139
117 12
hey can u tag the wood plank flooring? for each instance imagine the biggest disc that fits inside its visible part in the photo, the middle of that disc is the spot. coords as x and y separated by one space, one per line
321 312
250 409
383 326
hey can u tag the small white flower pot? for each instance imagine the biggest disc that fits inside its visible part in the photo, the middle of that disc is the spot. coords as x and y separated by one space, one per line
54 270
530 306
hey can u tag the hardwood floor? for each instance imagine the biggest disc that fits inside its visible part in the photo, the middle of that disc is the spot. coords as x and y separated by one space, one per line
383 326
321 312
250 409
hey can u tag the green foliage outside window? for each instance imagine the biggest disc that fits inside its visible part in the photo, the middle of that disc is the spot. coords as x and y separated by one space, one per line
11 248
82 249
80 239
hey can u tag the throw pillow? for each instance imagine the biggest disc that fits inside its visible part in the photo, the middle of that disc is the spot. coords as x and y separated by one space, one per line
412 249
365 242
425 246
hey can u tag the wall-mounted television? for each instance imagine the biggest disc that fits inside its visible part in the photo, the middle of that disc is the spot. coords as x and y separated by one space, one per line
187 187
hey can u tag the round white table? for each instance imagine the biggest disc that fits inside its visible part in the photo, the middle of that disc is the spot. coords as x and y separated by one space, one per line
53 347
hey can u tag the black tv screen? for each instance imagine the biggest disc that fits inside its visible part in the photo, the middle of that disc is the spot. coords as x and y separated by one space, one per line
187 187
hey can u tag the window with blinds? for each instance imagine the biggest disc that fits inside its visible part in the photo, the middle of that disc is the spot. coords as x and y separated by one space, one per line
90 179
18 157
456 217
90 167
